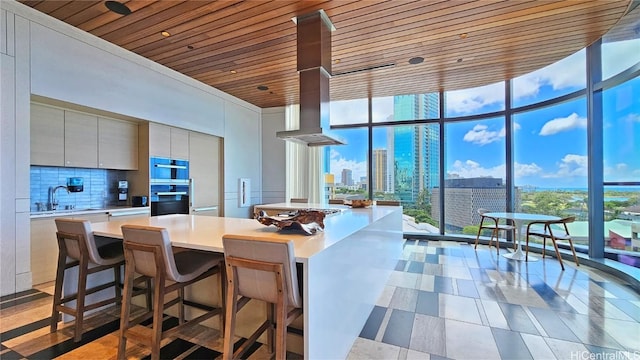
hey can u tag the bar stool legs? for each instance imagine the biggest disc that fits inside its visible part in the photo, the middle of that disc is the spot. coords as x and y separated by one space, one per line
79 238
261 269
148 252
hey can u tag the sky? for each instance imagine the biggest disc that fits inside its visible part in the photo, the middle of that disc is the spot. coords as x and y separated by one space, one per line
550 144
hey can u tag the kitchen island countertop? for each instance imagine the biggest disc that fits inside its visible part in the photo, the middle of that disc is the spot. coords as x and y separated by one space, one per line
344 268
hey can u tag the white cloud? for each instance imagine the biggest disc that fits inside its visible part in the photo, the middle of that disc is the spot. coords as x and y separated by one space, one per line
469 101
570 165
566 73
471 169
557 125
481 135
337 163
621 172
522 170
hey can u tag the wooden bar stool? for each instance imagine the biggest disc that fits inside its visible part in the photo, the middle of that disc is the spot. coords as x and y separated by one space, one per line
261 269
77 247
148 252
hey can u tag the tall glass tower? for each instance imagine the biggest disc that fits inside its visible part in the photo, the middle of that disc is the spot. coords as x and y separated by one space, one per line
415 147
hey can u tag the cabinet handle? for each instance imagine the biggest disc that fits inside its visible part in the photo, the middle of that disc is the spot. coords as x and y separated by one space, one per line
170 166
209 208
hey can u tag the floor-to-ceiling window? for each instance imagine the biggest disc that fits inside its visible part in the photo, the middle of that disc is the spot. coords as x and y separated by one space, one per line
620 67
474 173
621 160
525 146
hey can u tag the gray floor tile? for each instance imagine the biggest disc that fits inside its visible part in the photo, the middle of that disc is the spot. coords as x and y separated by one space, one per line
398 331
589 329
466 304
428 335
427 303
459 308
518 319
459 345
443 284
510 344
467 288
404 299
553 325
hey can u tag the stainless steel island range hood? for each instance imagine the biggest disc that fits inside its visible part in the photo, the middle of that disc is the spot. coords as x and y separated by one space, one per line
314 68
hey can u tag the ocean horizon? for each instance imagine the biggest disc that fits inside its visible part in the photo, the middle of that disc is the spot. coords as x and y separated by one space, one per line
582 189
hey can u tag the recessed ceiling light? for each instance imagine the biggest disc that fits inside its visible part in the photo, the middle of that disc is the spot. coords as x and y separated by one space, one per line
233 72
463 36
190 47
416 60
459 60
117 7
165 33
336 61
263 87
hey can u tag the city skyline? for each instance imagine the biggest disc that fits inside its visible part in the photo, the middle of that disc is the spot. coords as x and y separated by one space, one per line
550 143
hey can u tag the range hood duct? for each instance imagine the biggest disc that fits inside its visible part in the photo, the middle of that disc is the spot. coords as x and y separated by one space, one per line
314 69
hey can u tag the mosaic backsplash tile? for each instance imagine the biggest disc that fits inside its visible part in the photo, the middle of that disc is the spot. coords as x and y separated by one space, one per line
100 187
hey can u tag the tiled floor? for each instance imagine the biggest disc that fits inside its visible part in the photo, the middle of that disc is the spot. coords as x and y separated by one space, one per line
444 300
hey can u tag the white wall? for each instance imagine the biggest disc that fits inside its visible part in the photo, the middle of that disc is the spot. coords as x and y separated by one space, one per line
15 250
46 57
273 159
244 159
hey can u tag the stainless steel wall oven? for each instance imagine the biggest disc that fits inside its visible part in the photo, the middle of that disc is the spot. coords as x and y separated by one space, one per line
169 186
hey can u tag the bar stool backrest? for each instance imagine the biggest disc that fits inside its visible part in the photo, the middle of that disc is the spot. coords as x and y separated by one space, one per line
83 233
261 285
147 241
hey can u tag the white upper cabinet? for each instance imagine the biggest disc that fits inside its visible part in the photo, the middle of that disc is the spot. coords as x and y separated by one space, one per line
168 142
62 137
80 139
47 135
117 144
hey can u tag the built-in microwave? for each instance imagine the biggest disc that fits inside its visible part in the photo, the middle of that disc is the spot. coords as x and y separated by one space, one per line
168 171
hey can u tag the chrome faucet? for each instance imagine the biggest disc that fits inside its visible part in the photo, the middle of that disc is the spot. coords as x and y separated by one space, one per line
53 200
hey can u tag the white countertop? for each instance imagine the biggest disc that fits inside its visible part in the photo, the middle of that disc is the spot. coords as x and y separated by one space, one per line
205 232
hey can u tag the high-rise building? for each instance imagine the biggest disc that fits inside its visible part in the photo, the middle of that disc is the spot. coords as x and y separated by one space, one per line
416 148
379 171
347 177
329 186
464 196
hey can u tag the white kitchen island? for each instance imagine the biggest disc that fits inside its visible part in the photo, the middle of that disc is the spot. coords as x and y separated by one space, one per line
345 268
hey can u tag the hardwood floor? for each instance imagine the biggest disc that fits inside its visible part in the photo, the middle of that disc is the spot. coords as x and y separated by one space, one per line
444 300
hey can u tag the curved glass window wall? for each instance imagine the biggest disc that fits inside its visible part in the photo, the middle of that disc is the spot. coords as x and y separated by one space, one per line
532 144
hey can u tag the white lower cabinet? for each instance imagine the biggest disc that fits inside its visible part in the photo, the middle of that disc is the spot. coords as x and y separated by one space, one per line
44 246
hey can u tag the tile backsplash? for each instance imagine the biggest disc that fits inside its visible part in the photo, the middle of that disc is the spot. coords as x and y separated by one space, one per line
100 186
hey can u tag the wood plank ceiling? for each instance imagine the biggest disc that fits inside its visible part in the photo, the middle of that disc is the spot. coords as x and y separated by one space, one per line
236 46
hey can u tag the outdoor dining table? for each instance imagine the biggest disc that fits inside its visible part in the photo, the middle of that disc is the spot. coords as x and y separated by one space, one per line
520 219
